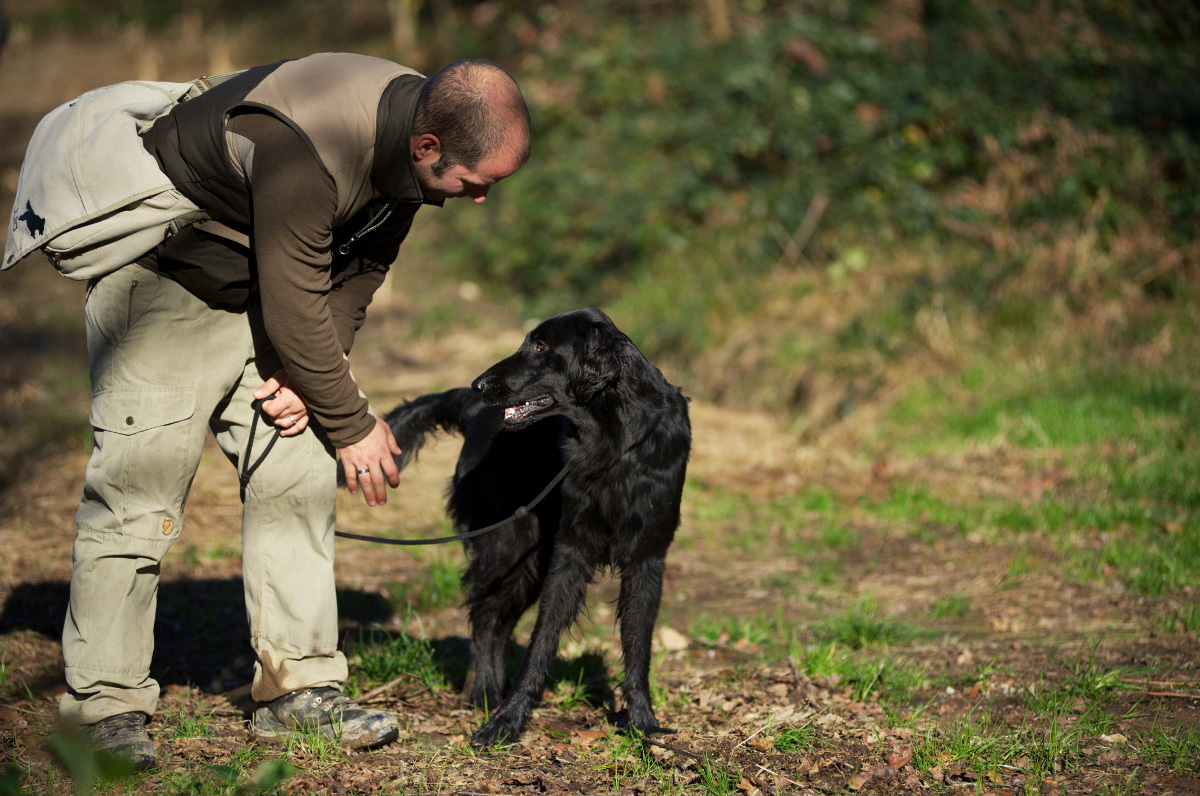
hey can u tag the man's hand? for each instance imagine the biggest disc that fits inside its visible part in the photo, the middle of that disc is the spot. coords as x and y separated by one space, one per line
285 408
369 461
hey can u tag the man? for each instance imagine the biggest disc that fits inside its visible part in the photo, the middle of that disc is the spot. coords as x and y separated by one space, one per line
312 171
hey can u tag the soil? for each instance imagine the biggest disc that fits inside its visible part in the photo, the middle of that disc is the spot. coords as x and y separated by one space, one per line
728 700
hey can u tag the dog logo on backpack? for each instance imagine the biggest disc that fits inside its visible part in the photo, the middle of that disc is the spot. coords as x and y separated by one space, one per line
35 223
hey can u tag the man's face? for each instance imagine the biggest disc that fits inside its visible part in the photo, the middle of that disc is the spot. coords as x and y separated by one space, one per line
460 181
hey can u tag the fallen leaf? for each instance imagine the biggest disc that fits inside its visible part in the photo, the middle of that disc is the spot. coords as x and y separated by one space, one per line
761 743
901 756
858 780
749 788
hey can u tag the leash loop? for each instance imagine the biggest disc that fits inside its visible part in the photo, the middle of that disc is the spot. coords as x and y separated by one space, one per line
247 467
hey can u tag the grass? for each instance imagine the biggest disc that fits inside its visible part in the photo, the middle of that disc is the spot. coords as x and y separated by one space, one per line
1175 748
379 657
191 723
953 606
795 739
862 626
439 587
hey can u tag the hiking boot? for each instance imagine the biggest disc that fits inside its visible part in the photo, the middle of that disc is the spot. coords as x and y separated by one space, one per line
123 736
328 712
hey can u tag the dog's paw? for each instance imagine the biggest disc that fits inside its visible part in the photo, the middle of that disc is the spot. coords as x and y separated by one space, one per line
645 723
498 730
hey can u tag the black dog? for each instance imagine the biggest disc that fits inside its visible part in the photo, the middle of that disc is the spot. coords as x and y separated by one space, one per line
579 394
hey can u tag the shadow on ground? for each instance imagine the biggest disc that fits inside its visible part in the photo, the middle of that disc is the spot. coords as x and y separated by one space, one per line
201 632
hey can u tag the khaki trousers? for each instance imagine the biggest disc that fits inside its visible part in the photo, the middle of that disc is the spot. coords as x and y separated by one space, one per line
166 369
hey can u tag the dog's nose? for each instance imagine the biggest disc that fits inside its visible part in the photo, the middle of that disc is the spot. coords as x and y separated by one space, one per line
480 384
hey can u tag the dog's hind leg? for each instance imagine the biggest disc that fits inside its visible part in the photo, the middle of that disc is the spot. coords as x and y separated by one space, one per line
562 597
637 609
503 582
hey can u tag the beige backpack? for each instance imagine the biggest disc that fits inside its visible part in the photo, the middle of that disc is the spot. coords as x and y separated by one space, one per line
89 195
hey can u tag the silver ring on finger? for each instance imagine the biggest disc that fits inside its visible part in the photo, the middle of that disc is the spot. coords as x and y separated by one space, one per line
363 471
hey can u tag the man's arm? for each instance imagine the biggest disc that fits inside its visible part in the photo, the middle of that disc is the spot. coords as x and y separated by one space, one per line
293 201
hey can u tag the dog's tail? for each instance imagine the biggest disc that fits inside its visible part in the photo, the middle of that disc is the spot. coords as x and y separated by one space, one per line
413 422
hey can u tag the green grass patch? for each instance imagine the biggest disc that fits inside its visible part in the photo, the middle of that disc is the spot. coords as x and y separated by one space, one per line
439 587
862 626
868 675
379 657
1177 748
795 739
1131 442
953 606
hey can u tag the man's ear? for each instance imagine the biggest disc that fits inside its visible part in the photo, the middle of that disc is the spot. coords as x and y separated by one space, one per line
425 148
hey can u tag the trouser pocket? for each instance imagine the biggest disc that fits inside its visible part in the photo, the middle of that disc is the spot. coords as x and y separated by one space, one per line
146 452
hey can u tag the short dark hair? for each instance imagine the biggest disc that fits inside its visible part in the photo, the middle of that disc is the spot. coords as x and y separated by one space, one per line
475 108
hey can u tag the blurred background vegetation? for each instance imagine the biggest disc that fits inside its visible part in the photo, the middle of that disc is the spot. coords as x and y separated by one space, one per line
808 207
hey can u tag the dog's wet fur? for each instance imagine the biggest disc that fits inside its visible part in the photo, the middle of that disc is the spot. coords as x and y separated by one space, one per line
579 394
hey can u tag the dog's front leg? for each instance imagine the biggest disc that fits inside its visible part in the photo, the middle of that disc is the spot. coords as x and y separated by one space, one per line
562 597
637 608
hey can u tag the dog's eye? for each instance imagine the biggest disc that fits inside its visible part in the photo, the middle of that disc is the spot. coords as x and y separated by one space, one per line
540 346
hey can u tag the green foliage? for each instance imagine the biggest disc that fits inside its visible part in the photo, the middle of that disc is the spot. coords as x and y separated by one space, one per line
1131 435
379 657
87 768
953 606
862 626
233 780
1177 748
867 675
795 739
670 169
440 588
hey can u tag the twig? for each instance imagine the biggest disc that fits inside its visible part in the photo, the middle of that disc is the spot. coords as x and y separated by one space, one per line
777 776
1170 694
237 693
751 735
795 671
793 245
812 217
674 749
1139 681
374 692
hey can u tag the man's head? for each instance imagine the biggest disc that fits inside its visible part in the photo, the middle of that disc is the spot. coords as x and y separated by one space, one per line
471 130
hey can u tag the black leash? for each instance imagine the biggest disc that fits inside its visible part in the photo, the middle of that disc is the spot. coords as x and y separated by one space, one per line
521 512
248 468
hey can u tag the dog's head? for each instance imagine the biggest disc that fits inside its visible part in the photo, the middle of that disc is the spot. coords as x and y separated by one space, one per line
565 363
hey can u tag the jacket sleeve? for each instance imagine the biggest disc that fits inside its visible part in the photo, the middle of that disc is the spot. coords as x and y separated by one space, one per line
293 201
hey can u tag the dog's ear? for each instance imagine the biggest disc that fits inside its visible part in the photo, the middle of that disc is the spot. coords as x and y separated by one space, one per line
600 353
